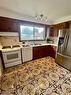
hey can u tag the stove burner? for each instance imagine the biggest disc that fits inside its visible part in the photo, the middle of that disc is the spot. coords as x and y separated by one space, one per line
15 46
6 47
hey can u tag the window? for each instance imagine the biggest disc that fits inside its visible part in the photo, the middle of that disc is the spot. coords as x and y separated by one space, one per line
28 32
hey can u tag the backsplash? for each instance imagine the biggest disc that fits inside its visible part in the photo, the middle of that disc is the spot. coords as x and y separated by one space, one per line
14 40
9 40
54 40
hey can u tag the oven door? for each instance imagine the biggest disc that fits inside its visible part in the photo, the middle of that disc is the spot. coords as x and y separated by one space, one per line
11 56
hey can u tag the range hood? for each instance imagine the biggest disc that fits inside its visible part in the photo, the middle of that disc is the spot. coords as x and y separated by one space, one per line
9 34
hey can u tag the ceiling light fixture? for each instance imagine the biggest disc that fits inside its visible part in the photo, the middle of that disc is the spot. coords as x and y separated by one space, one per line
41 17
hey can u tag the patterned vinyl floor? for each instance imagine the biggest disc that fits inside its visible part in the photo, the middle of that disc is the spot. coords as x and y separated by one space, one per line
39 77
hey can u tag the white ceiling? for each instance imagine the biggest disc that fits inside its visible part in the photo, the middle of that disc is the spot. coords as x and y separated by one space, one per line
52 9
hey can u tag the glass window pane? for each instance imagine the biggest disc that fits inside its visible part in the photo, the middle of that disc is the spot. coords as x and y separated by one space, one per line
26 32
39 33
32 33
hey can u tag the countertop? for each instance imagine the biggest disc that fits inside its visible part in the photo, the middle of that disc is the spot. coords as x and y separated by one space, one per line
25 46
10 49
40 45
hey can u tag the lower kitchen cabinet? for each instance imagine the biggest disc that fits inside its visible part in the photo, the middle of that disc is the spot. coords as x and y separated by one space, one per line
43 51
39 52
26 54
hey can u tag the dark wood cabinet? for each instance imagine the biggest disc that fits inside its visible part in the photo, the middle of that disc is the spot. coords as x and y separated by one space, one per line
4 25
54 29
39 52
43 51
53 32
63 25
8 25
14 26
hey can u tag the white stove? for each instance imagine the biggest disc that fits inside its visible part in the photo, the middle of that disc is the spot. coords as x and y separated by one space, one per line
11 55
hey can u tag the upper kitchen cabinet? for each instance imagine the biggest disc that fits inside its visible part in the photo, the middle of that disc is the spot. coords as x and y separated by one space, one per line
54 29
53 32
8 25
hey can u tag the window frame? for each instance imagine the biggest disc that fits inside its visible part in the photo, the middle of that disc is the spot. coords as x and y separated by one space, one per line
33 25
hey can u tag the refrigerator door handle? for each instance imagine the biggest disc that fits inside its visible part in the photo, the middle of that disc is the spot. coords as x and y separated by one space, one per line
66 40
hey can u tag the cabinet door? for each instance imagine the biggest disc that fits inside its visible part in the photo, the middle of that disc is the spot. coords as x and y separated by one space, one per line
40 51
13 25
44 51
36 52
53 32
4 25
8 25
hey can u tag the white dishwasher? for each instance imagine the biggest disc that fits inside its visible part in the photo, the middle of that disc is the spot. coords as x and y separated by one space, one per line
26 53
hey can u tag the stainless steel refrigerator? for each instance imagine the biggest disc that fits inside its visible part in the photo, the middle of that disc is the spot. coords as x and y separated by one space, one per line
64 48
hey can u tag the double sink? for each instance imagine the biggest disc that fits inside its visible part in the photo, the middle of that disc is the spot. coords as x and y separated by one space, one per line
32 45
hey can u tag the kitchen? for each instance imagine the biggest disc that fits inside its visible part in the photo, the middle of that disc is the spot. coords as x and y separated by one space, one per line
34 47
11 43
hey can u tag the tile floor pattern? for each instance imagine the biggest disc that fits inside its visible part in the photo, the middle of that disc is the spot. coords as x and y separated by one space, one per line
39 77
